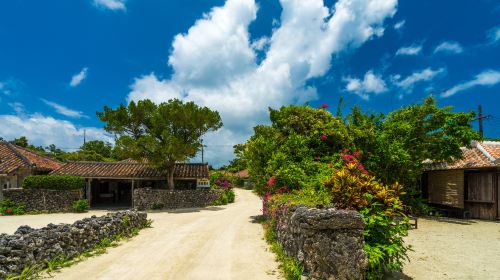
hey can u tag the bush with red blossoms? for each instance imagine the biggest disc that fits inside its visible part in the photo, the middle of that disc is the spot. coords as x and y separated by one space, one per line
223 183
353 158
324 106
324 137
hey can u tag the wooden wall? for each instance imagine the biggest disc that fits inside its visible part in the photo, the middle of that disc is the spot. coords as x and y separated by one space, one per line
481 197
446 188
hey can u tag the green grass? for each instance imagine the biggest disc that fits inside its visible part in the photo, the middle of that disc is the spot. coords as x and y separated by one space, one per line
291 268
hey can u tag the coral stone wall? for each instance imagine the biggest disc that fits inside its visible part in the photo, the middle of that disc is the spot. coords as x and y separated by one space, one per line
327 241
38 200
28 247
147 198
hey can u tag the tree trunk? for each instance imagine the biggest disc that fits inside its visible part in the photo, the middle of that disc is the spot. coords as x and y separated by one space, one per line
171 183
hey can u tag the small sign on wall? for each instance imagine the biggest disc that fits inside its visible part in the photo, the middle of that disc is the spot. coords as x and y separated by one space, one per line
203 183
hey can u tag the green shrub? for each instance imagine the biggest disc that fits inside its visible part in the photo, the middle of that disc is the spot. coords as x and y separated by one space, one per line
157 206
228 196
81 205
54 182
9 208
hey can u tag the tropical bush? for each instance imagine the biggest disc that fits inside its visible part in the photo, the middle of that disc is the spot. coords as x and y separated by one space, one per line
385 221
9 207
366 162
81 205
54 182
222 182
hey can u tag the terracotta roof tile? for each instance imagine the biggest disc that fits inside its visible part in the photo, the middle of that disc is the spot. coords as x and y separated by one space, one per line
13 157
474 157
130 169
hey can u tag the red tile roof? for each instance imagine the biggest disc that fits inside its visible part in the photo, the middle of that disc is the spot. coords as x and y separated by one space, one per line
13 157
130 169
481 155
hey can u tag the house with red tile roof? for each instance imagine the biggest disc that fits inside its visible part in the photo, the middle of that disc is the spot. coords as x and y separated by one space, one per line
17 162
111 184
470 185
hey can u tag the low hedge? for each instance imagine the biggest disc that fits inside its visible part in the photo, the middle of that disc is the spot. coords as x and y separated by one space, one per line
54 182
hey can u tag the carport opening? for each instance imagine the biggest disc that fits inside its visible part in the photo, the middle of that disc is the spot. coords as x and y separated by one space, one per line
111 194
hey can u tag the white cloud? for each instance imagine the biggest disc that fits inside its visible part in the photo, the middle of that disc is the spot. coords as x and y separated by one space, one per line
485 78
215 65
449 47
423 75
45 130
78 78
111 4
261 44
371 83
64 110
17 107
410 50
494 34
399 24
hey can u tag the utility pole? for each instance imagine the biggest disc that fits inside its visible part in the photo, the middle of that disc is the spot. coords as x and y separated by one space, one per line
202 151
84 136
480 118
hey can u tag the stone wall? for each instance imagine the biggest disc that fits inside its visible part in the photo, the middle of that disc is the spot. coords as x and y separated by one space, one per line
39 200
328 242
28 247
147 198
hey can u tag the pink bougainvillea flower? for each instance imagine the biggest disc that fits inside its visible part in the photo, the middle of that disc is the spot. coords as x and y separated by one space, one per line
324 137
271 181
324 106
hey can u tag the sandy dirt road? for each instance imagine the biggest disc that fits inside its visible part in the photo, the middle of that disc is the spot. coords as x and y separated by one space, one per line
454 249
213 243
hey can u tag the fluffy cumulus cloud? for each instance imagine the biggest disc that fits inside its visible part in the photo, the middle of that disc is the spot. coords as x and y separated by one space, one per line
46 130
63 110
485 78
79 77
449 47
110 4
410 50
215 63
371 83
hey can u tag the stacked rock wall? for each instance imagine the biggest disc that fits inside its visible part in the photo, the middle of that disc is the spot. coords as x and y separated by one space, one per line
328 242
43 200
147 198
28 247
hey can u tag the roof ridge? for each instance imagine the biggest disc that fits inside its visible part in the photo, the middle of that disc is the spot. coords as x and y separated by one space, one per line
483 151
12 147
36 153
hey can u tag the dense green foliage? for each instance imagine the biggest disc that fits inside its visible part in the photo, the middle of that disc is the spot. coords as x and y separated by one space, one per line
365 162
163 133
54 182
9 207
81 205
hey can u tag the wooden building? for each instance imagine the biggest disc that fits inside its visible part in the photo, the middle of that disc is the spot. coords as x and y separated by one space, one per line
469 186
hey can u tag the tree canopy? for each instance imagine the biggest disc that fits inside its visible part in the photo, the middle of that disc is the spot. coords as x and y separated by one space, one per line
163 133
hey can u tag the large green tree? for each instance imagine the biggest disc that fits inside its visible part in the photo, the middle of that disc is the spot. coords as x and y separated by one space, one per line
99 147
163 133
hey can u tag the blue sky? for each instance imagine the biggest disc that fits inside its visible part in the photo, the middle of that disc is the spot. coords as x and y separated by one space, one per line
61 61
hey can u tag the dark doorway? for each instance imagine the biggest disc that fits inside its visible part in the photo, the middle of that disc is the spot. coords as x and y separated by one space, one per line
111 194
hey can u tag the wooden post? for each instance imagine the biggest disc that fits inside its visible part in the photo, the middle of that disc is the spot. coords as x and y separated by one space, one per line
132 194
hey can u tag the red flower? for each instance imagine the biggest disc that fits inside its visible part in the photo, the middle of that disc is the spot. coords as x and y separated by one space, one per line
271 181
9 211
324 137
324 106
